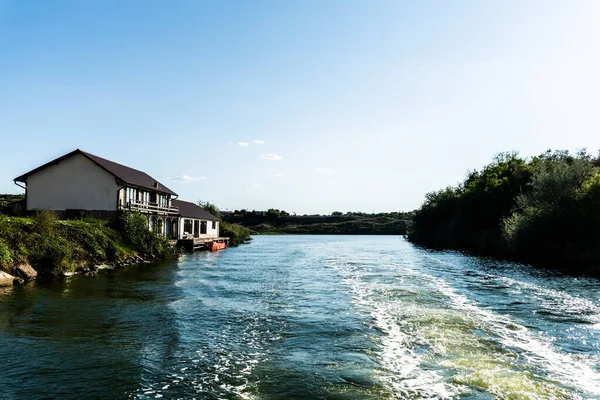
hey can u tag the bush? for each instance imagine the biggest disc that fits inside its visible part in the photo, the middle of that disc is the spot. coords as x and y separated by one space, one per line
134 229
237 234
44 221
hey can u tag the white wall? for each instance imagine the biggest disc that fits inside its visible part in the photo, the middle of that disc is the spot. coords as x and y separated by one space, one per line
74 183
210 232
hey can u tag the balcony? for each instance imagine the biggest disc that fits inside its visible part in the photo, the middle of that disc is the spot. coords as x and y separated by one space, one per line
150 208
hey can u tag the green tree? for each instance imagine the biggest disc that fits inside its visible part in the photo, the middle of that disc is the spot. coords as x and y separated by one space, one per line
544 210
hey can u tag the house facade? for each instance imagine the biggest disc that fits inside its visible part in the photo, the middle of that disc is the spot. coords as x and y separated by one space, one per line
82 184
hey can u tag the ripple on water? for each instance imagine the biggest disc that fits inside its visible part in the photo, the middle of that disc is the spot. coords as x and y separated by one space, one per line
449 346
216 364
297 317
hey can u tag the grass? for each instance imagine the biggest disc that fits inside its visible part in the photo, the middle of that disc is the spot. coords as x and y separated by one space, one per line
53 246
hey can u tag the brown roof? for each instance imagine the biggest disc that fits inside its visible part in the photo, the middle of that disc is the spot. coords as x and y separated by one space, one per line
191 210
126 174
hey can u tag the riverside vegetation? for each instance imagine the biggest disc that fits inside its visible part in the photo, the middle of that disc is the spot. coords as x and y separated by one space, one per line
544 210
276 221
56 247
237 233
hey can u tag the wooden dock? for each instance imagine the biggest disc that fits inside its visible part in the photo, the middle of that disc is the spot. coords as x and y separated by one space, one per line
197 244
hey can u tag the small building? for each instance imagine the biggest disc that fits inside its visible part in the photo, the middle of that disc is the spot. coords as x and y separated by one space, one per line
195 221
83 184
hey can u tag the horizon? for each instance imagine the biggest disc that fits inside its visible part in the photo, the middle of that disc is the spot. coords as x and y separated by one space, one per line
305 107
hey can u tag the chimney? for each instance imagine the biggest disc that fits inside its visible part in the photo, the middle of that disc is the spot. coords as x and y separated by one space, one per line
156 185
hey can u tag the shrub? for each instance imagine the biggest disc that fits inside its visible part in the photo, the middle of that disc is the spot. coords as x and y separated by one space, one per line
44 221
237 234
134 229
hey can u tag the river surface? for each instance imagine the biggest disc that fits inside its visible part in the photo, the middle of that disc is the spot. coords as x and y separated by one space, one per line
305 317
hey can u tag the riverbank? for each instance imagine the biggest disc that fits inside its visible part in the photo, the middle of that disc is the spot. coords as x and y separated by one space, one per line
58 248
277 222
542 211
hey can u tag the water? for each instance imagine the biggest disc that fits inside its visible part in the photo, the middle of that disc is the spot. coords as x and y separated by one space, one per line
303 317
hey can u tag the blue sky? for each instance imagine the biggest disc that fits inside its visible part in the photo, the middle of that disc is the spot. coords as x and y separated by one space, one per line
307 106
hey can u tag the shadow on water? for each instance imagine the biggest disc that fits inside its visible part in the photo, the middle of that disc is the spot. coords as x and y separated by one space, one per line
87 337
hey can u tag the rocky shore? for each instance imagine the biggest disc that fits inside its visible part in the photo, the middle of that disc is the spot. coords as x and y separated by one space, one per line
24 273
21 274
93 270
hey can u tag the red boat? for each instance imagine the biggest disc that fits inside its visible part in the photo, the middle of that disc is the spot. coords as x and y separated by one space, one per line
216 246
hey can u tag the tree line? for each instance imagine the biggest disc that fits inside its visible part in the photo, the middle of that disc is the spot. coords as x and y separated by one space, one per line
544 210
280 221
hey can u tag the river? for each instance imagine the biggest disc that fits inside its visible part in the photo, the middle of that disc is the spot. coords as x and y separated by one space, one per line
305 317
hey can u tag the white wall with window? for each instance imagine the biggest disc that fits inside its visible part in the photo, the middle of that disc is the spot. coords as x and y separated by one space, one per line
198 228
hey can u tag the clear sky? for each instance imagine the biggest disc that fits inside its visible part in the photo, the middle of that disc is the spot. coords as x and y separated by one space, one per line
304 105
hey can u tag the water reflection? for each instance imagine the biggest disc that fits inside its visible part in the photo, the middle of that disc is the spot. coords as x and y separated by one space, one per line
92 336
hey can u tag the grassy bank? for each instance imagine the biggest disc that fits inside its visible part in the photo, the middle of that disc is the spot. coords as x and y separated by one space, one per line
544 211
53 246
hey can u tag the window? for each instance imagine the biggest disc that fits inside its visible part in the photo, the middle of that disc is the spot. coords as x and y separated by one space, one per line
187 226
162 200
130 195
203 227
146 197
196 226
214 225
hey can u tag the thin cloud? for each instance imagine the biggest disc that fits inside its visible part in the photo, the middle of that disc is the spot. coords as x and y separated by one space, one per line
270 157
323 171
187 179
259 141
243 144
278 176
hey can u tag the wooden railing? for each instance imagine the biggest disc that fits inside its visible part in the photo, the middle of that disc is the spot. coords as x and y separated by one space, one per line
150 207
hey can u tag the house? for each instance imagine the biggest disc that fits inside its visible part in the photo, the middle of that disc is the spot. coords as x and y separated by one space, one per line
83 184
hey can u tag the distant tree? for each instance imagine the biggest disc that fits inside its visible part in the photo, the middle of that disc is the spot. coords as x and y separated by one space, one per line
336 213
273 213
